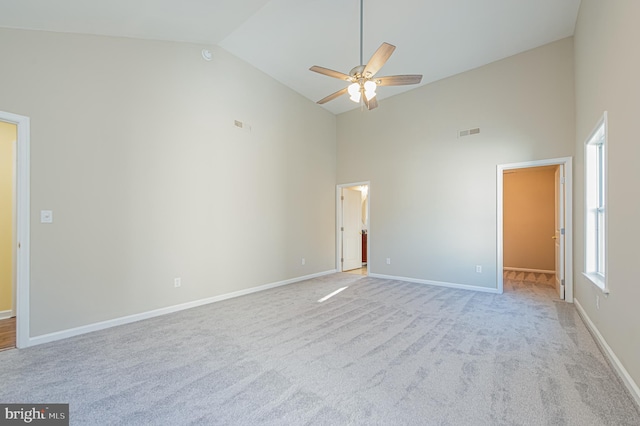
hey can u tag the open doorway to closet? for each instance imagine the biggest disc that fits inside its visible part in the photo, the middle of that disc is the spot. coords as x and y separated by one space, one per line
531 211
534 224
352 233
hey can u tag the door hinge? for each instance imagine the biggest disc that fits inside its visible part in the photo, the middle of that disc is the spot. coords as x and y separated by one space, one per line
562 281
561 231
342 197
342 259
562 180
342 228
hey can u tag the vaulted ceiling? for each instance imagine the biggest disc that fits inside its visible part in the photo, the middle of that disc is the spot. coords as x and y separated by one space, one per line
283 38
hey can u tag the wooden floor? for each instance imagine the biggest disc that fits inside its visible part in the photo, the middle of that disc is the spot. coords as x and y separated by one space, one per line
8 333
359 271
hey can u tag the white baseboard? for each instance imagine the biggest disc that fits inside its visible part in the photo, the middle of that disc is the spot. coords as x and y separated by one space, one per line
64 334
6 314
535 271
437 283
622 372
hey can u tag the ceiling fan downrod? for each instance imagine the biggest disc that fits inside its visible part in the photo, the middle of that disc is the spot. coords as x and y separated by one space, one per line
361 30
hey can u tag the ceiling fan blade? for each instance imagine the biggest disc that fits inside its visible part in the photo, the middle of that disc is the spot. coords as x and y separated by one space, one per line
332 96
378 59
373 103
398 80
330 73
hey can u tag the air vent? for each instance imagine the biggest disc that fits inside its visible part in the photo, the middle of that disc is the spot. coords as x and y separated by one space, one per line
240 125
468 132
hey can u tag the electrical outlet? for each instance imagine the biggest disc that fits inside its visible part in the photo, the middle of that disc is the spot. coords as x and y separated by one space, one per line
46 216
177 282
388 261
304 261
479 269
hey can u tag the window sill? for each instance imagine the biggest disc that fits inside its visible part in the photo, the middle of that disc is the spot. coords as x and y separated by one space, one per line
598 281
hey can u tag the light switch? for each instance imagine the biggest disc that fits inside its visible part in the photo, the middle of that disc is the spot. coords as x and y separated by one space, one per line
46 216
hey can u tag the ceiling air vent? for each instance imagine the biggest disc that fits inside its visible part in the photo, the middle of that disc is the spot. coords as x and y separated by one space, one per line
468 132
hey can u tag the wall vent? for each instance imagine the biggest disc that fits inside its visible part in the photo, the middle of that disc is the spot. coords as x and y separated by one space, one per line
468 132
240 125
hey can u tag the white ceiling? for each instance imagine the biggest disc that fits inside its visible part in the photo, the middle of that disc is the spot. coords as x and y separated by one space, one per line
283 38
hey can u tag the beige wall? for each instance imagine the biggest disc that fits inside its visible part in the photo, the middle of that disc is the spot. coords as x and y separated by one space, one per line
529 218
433 196
607 70
134 148
7 148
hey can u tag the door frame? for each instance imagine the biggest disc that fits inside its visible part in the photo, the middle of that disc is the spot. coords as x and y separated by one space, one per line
339 188
22 208
567 162
559 222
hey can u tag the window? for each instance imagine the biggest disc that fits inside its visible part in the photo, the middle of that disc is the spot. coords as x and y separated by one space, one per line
595 205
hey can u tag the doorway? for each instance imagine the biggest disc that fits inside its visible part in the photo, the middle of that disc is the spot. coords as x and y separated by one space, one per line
556 261
19 240
8 137
352 228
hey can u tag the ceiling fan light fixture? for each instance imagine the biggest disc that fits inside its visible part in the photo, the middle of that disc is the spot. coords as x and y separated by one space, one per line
369 94
354 92
369 89
370 86
353 89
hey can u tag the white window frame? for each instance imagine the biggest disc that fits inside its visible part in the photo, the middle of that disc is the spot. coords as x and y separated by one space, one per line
595 200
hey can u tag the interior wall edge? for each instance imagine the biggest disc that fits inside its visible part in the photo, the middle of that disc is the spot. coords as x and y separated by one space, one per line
102 325
610 355
437 283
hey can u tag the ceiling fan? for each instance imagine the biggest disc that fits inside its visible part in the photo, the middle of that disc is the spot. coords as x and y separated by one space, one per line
362 78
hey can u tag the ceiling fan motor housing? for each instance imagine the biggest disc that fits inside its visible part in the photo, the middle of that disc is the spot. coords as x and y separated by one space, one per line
356 72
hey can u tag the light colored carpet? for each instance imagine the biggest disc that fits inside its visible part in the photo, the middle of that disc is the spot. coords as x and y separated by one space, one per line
380 352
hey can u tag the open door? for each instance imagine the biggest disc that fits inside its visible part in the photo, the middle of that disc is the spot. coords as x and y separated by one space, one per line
351 227
559 234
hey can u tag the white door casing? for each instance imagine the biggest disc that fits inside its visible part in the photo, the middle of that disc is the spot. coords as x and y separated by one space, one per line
559 230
